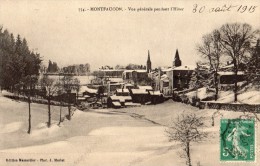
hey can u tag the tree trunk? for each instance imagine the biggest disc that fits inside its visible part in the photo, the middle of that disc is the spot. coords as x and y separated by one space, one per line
69 117
216 86
212 118
188 153
60 114
49 112
29 120
235 79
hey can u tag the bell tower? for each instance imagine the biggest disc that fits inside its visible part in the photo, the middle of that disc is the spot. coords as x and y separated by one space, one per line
176 61
149 63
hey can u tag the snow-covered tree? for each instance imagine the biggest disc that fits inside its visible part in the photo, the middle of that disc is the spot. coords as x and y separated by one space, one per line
212 50
187 129
199 77
51 89
253 65
236 40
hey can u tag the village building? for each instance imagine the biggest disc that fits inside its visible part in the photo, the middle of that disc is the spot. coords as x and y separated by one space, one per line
176 77
226 79
138 75
182 76
112 73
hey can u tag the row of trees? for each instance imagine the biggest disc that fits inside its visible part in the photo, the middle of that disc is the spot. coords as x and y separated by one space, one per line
19 73
59 88
235 42
19 68
78 69
19 65
127 67
52 67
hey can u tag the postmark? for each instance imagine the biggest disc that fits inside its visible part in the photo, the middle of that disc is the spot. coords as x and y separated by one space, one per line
237 140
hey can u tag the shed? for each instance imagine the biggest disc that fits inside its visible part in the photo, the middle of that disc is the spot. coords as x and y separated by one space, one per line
114 101
156 97
140 96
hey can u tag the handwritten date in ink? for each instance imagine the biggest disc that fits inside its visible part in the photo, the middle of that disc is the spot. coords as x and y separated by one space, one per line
225 8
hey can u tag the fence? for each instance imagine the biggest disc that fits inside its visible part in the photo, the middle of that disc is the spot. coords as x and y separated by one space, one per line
230 106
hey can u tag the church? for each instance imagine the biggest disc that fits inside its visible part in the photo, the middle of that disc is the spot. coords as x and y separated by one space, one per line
176 77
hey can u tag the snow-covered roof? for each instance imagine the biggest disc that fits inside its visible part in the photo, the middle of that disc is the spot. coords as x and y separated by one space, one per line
129 84
169 69
140 71
123 90
116 104
128 71
227 66
89 89
186 67
139 91
155 93
85 88
111 69
121 98
145 87
116 80
230 73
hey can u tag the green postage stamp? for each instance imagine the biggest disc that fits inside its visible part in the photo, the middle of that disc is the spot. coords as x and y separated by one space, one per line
237 140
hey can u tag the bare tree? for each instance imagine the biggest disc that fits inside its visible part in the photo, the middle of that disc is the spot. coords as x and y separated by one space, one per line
76 83
186 129
212 50
60 91
28 83
51 89
236 40
68 85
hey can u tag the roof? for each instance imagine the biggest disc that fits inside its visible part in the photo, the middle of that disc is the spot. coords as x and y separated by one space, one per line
230 73
120 98
117 104
118 80
112 70
85 88
139 91
138 71
145 87
81 98
169 69
128 71
155 93
186 67
132 104
227 66
129 85
122 90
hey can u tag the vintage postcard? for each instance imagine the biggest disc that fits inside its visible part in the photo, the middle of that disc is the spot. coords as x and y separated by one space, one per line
129 82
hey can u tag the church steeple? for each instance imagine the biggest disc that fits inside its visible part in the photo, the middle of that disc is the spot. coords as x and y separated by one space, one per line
177 60
148 63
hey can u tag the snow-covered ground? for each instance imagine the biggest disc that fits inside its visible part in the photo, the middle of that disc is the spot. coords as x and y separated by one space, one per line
246 95
130 136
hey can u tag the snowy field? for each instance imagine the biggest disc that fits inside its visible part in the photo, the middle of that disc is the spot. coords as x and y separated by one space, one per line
118 137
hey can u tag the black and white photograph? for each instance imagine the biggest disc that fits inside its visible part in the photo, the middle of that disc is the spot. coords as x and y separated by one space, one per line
129 83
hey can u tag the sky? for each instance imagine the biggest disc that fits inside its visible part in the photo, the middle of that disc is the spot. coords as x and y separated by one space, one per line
60 33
